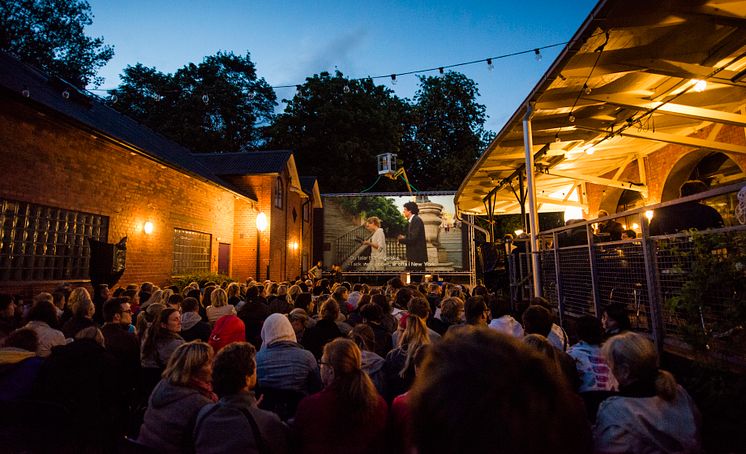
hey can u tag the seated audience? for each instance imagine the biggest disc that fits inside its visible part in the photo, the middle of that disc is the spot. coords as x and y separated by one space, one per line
399 365
82 310
557 335
563 364
373 317
122 344
173 406
651 413
325 330
235 423
591 366
615 319
348 415
401 420
451 314
282 363
502 321
161 339
300 321
253 314
228 328
192 326
372 362
42 318
9 317
481 391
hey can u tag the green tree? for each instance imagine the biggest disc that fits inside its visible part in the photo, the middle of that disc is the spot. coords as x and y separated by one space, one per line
393 221
449 135
50 34
337 126
219 105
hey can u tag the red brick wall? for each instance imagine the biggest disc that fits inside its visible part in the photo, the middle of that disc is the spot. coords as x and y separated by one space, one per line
47 162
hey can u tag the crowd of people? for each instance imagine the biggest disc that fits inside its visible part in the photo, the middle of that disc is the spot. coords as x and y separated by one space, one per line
314 367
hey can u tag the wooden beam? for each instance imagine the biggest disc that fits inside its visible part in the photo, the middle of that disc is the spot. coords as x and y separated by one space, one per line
623 166
683 140
697 113
600 181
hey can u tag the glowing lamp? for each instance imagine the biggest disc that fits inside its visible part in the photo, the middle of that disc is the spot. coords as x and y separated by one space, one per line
261 222
147 228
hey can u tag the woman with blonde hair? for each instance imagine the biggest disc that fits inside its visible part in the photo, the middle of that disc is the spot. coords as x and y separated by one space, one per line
651 413
174 403
219 306
377 243
348 396
165 295
83 309
399 364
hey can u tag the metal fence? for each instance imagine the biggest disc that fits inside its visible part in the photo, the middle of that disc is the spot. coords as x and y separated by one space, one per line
687 290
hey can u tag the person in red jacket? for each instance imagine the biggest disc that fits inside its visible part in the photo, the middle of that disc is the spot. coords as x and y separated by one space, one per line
348 415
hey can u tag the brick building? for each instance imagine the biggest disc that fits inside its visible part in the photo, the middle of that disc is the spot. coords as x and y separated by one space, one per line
75 169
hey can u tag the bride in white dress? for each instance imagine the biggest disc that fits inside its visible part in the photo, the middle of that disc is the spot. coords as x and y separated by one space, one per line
377 244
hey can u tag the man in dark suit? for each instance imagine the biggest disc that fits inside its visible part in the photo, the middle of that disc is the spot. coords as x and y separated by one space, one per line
415 240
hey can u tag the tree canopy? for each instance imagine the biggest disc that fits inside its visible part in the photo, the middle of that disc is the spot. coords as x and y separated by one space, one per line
218 105
50 34
337 126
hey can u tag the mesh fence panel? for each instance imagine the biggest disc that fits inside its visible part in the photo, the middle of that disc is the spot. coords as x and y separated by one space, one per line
575 273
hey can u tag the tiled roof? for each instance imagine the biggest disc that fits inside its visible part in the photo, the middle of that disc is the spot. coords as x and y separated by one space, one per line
245 163
82 108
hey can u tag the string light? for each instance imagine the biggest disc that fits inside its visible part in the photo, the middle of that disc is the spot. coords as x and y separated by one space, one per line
571 118
393 79
66 94
114 99
26 93
441 71
537 54
586 89
205 99
490 65
346 89
556 137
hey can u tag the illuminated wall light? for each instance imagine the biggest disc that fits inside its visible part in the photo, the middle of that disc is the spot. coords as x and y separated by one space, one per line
699 85
649 214
635 226
147 227
261 222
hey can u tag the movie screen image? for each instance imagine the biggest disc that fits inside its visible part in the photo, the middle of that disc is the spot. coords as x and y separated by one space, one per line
370 233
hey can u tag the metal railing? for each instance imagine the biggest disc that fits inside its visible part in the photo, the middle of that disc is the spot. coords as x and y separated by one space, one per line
349 242
687 290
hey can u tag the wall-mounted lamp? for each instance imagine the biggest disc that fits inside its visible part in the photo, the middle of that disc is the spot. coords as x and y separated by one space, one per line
649 214
261 222
293 245
147 227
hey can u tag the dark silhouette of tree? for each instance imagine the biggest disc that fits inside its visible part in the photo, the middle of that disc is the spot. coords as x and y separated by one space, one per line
50 34
337 126
219 105
449 135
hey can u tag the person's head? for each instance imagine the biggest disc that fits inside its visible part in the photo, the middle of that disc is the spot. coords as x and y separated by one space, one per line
353 299
420 307
58 298
451 310
602 213
174 301
589 330
415 335
476 311
403 295
101 292
371 313
91 333
692 187
410 209
629 234
277 328
170 320
117 310
372 223
293 293
362 335
329 310
81 304
304 301
341 372
615 318
233 290
24 339
340 294
298 320
234 369
499 306
543 346
43 311
537 320
189 305
218 297
633 359
133 296
491 368
381 301
190 361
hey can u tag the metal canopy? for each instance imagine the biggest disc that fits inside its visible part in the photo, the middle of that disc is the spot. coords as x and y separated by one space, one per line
625 86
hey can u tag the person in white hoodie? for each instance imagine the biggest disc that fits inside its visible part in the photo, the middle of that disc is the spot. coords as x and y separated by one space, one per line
502 321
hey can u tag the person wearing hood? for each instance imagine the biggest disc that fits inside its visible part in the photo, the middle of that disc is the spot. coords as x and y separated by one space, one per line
282 363
192 325
372 363
177 399
19 365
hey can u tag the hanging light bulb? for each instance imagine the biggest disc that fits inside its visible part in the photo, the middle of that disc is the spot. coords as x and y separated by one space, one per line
393 79
699 85
205 99
571 118
346 89
26 93
537 54
556 137
586 89
440 70
490 65
114 99
590 150
66 94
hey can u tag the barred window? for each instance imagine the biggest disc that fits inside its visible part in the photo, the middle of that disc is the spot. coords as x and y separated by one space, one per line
279 192
42 243
191 252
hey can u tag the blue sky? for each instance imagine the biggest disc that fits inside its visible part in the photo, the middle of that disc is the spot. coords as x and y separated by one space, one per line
289 40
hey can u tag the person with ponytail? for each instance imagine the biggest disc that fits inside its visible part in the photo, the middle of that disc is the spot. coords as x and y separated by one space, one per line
651 413
348 415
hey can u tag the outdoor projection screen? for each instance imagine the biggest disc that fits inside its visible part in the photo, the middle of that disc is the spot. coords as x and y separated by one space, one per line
345 233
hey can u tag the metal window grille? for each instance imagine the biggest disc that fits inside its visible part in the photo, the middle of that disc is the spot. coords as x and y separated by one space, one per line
191 252
279 192
41 243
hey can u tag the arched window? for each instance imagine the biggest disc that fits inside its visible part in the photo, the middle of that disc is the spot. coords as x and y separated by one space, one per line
279 192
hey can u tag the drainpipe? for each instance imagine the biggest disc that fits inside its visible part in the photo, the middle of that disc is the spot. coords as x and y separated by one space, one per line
531 190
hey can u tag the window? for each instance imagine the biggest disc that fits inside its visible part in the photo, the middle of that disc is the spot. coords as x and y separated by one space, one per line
307 211
191 252
41 243
279 192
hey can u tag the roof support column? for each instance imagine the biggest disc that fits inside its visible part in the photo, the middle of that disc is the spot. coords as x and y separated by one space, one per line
533 215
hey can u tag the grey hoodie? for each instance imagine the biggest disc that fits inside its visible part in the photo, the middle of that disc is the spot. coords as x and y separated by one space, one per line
189 319
372 364
170 417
